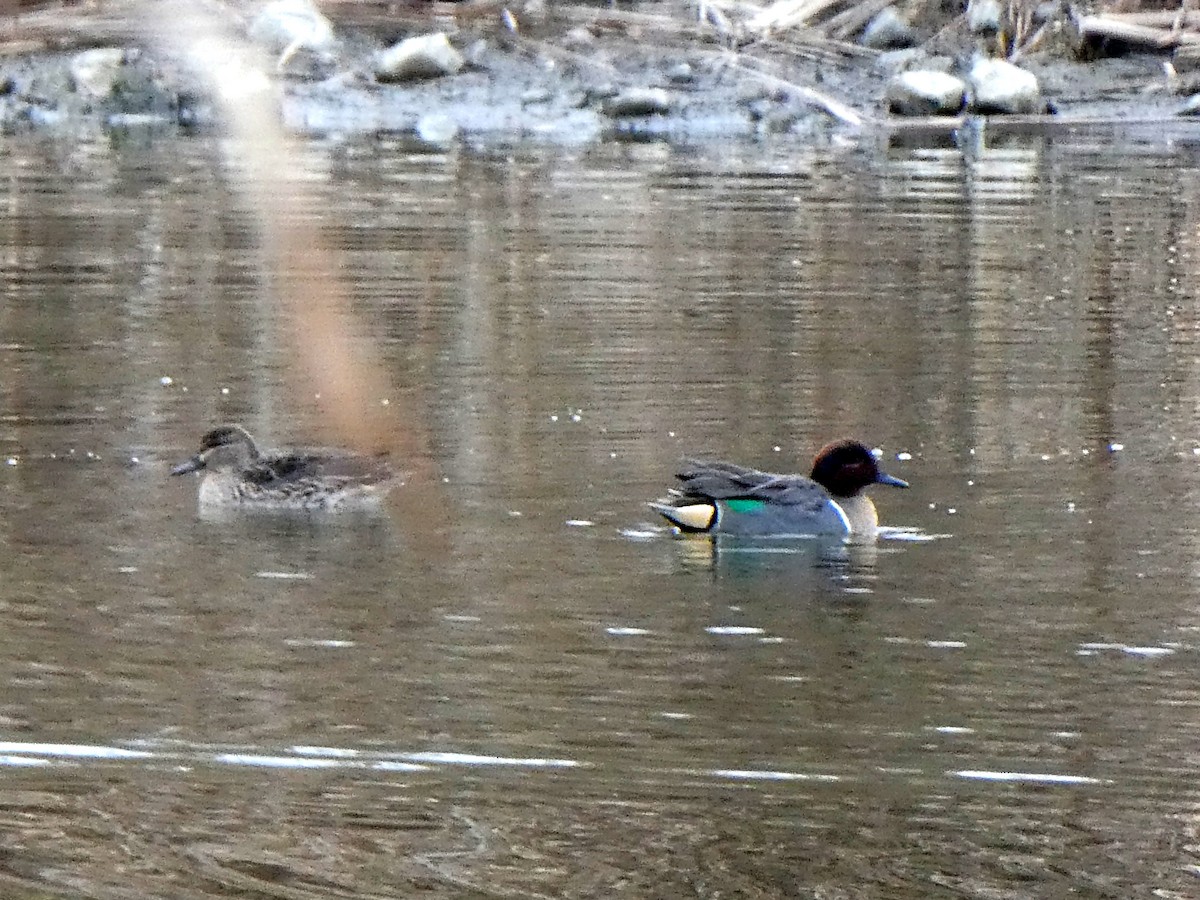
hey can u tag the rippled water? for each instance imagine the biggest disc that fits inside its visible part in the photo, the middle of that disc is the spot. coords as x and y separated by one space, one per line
513 685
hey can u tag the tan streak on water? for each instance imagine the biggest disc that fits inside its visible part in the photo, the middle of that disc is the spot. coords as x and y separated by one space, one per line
333 360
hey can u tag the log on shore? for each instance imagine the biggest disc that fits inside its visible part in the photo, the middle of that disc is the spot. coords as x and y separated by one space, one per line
1093 29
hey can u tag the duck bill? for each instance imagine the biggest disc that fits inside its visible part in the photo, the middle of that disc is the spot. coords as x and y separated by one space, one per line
892 480
188 465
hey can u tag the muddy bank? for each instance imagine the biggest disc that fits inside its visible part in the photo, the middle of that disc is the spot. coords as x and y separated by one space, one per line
579 74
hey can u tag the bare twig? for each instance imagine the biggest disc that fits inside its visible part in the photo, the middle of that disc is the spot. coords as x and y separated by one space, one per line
833 107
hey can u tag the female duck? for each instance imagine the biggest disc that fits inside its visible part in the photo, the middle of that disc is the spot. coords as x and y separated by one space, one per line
723 498
237 475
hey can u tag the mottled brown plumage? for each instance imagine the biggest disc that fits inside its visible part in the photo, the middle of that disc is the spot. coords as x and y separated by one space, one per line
239 475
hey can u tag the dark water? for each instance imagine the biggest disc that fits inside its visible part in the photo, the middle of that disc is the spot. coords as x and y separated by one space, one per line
511 686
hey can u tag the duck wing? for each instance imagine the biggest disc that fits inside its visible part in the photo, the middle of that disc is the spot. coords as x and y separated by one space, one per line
330 469
727 481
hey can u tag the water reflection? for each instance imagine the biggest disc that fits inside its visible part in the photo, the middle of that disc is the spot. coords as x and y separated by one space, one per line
512 685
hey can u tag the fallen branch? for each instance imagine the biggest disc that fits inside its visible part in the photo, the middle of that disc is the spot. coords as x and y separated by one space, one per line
1094 28
1166 18
835 108
786 14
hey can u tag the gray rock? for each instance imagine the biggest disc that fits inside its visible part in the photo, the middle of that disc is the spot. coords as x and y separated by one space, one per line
892 61
578 38
925 93
681 73
1000 87
1191 106
1047 11
476 53
94 73
888 31
415 58
984 16
639 102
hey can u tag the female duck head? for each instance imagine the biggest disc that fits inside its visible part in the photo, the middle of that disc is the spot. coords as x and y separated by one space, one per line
224 447
844 468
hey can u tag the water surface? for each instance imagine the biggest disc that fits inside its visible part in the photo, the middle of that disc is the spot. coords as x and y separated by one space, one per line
512 685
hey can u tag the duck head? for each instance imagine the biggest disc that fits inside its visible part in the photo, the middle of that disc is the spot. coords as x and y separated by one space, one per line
224 447
846 467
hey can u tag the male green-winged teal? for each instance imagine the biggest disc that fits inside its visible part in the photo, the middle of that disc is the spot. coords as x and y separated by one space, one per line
723 498
237 475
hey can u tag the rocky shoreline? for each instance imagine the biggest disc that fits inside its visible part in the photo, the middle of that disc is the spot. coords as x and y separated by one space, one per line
482 71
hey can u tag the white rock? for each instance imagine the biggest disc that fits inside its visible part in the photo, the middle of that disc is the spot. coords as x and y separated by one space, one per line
578 38
287 23
296 30
925 93
983 16
1191 107
94 72
1000 87
424 56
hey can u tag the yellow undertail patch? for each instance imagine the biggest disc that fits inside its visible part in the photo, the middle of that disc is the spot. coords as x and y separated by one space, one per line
697 517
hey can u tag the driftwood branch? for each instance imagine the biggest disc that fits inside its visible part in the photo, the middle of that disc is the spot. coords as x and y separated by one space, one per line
1166 18
1093 28
835 108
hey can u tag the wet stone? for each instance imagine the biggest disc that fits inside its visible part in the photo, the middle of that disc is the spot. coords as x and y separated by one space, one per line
94 73
984 16
1191 106
681 73
1047 11
999 87
634 102
579 38
418 58
299 33
888 31
286 22
925 93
